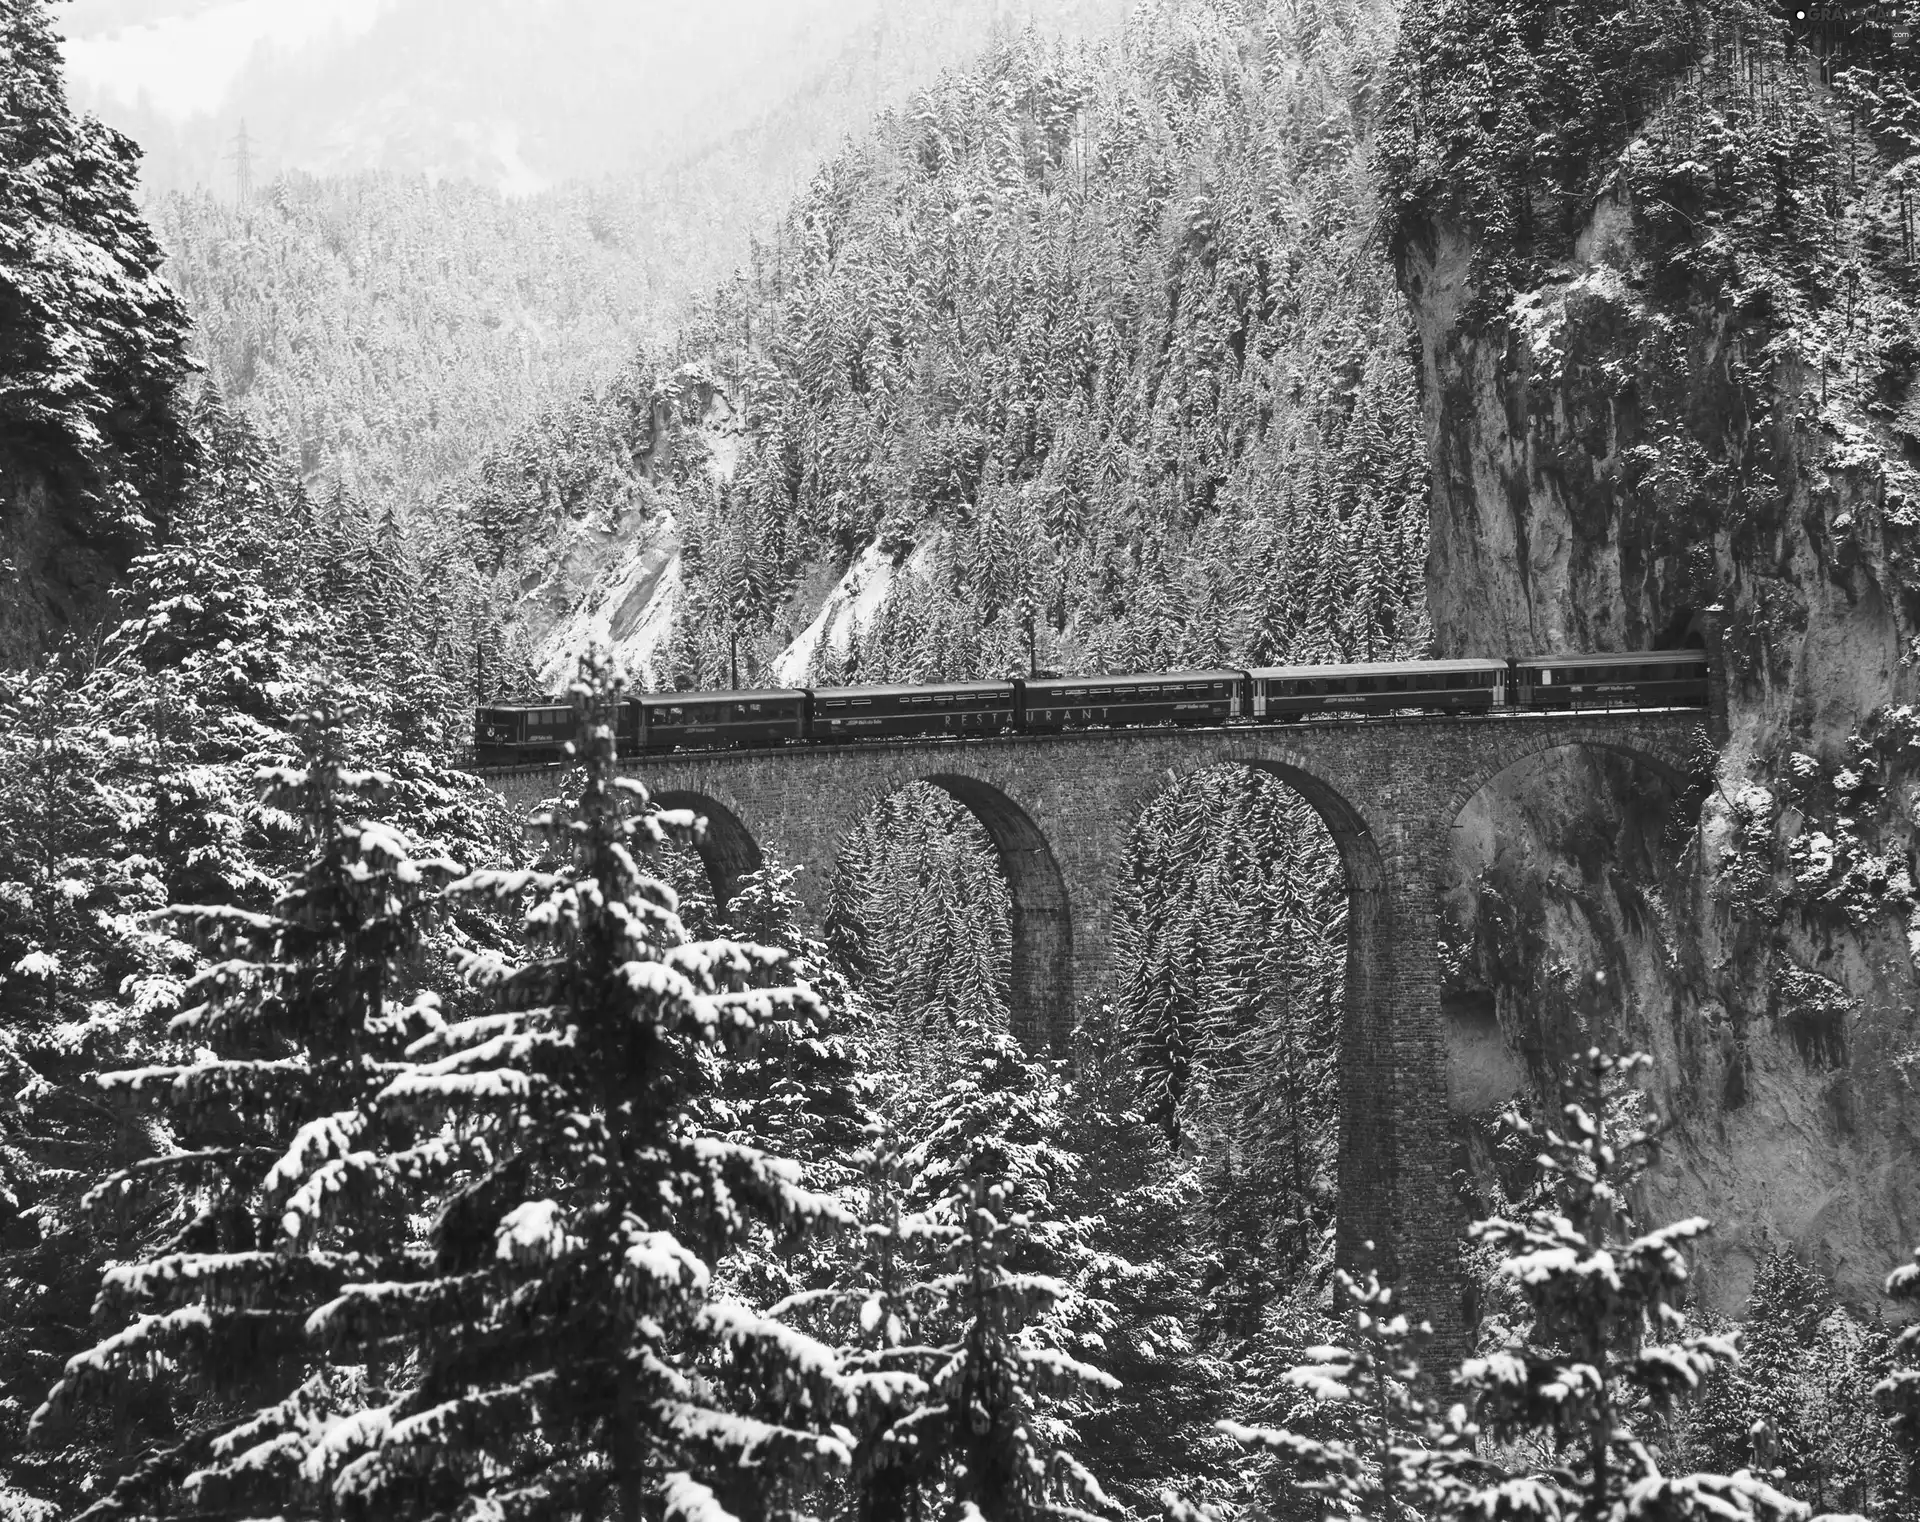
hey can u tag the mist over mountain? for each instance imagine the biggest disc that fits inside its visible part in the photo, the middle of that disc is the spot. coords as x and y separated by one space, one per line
518 96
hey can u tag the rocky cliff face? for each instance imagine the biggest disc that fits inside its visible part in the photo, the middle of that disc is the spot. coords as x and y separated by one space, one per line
1695 425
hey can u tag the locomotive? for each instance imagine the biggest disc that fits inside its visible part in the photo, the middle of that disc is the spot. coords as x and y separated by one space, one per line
655 723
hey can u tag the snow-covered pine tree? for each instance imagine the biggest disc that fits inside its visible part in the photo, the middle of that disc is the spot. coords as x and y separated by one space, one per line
796 1087
1158 1015
880 1309
1387 1449
1899 1392
288 1033
92 340
1799 1402
569 1354
1143 1281
1606 1350
73 887
955 1352
1607 1344
162 727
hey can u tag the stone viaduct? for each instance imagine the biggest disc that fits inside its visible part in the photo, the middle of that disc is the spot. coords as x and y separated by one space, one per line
1060 810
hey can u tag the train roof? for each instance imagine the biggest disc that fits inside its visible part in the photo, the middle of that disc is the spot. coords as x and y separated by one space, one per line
1614 658
896 690
553 705
1381 668
1203 675
721 695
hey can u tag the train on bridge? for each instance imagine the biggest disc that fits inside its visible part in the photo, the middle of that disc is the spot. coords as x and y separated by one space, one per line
656 723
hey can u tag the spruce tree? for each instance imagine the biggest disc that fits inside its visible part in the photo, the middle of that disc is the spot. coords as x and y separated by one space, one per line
1797 1403
961 1357
92 339
287 1034
796 1085
1142 1301
1607 1351
568 1351
1899 1392
1386 1449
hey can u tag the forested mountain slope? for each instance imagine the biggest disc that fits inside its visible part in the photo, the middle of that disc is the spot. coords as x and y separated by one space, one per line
385 329
1082 359
1092 361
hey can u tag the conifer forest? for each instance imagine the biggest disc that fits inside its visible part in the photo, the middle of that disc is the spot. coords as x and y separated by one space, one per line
376 1148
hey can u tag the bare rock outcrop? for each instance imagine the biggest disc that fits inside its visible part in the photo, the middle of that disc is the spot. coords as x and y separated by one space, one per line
1654 443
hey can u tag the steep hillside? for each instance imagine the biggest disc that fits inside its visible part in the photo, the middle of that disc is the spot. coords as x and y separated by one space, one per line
1082 359
1667 356
92 341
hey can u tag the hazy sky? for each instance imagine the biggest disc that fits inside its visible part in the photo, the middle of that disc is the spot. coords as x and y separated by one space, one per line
186 55
185 58
518 94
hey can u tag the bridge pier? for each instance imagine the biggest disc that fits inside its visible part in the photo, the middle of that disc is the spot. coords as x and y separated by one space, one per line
1396 1186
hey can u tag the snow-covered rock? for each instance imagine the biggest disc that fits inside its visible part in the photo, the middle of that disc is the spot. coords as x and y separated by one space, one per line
850 608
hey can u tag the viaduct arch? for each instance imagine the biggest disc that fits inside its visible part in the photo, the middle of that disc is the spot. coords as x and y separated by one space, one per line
1060 811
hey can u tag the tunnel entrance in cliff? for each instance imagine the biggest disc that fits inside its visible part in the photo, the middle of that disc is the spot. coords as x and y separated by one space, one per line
1227 992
